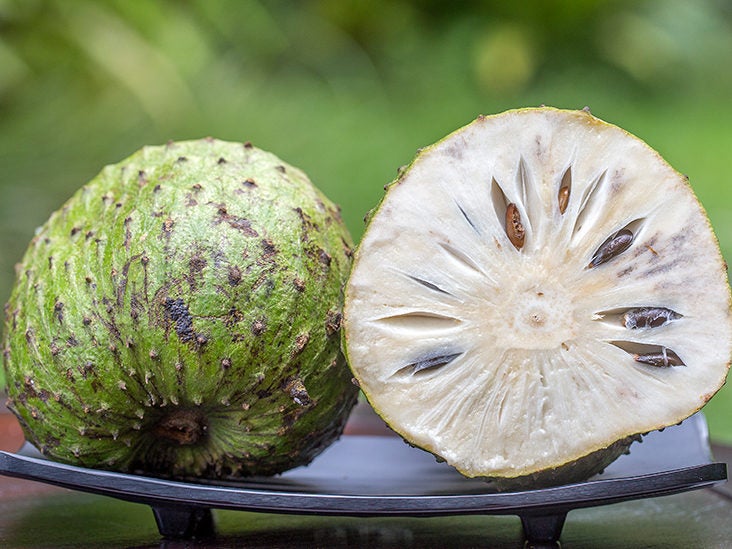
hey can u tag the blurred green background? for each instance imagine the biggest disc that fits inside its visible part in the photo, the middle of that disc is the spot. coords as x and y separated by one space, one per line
348 90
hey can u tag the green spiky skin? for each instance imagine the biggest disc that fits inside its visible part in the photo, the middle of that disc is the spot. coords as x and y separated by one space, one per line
180 316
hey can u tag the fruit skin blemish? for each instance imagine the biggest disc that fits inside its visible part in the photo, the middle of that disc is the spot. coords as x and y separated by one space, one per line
533 293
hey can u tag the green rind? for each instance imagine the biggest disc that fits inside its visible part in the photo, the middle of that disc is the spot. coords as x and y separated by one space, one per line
204 277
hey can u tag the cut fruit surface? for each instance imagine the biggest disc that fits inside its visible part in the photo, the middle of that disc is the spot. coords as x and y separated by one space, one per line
534 291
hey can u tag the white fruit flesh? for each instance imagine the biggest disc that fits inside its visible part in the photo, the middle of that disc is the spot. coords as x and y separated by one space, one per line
506 361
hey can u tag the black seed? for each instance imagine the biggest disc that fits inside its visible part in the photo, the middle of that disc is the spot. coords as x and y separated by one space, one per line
648 317
662 359
430 362
613 246
514 227
563 198
429 285
467 218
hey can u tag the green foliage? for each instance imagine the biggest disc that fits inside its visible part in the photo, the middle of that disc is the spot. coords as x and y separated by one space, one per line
346 89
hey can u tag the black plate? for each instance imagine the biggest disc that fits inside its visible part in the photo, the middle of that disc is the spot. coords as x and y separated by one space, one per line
383 476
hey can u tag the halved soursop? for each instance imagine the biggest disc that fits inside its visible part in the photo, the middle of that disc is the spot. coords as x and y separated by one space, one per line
180 316
532 293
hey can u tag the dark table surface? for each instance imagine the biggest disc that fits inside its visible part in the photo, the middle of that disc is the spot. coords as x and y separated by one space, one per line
37 515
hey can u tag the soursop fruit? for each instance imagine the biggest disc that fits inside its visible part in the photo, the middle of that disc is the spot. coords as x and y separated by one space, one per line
180 316
534 292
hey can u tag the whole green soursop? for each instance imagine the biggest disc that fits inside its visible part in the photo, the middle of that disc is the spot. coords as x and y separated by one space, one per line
180 315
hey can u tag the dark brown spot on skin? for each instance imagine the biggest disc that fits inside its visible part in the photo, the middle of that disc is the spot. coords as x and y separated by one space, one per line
233 317
196 187
333 322
58 310
268 249
324 257
181 159
225 363
239 223
221 160
258 327
177 312
297 391
190 201
249 183
234 275
300 342
168 226
86 321
280 169
196 264
75 231
248 145
154 354
86 369
88 235
299 284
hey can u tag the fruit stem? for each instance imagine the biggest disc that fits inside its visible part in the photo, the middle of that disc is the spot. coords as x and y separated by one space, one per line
182 426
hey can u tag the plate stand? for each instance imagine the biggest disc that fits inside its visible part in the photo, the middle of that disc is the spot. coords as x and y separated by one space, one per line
184 523
177 522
